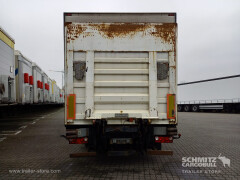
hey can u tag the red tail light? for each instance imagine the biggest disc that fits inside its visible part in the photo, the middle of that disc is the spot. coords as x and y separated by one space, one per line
130 119
26 78
159 139
82 140
31 80
46 86
39 84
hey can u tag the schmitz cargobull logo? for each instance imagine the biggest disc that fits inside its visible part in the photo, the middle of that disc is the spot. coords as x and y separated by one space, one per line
204 161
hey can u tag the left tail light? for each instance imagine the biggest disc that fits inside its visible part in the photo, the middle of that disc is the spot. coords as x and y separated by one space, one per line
163 139
81 140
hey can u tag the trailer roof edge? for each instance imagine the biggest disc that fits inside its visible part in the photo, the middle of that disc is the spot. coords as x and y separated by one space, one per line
206 80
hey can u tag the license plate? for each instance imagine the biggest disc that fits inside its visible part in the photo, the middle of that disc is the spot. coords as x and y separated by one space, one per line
121 141
121 115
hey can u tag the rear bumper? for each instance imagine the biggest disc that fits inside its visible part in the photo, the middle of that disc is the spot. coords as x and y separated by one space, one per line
102 137
89 122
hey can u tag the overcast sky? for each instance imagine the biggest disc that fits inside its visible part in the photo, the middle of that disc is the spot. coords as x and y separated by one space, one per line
208 31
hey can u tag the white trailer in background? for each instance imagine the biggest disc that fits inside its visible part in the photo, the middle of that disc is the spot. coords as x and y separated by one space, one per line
7 74
120 79
55 90
57 94
61 96
50 90
24 79
46 94
37 84
212 94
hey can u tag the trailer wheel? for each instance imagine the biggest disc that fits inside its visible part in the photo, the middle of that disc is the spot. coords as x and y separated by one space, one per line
186 108
179 108
195 108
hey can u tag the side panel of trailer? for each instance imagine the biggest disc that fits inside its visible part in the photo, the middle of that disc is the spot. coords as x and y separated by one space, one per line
46 96
24 79
7 67
50 90
38 84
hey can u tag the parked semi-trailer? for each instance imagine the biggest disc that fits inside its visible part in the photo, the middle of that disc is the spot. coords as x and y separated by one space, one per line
46 96
7 74
50 90
55 89
37 84
61 96
24 79
21 80
212 94
120 80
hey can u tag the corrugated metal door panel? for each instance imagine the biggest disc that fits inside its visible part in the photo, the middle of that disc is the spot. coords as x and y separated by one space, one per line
123 90
121 82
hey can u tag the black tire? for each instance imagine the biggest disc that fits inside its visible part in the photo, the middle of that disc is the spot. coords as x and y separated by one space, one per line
158 146
227 108
186 108
179 108
195 108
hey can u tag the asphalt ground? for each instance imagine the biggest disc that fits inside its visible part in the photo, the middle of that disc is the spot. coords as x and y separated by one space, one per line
32 146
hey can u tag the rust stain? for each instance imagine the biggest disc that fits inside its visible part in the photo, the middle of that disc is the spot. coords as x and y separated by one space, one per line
74 31
165 32
67 23
119 29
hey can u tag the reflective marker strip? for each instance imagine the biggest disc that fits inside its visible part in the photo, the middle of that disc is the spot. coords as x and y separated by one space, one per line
53 82
171 106
71 106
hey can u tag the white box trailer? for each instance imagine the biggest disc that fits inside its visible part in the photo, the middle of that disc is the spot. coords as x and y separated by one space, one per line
55 90
120 79
24 79
212 94
46 94
57 94
37 84
61 96
51 96
7 74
